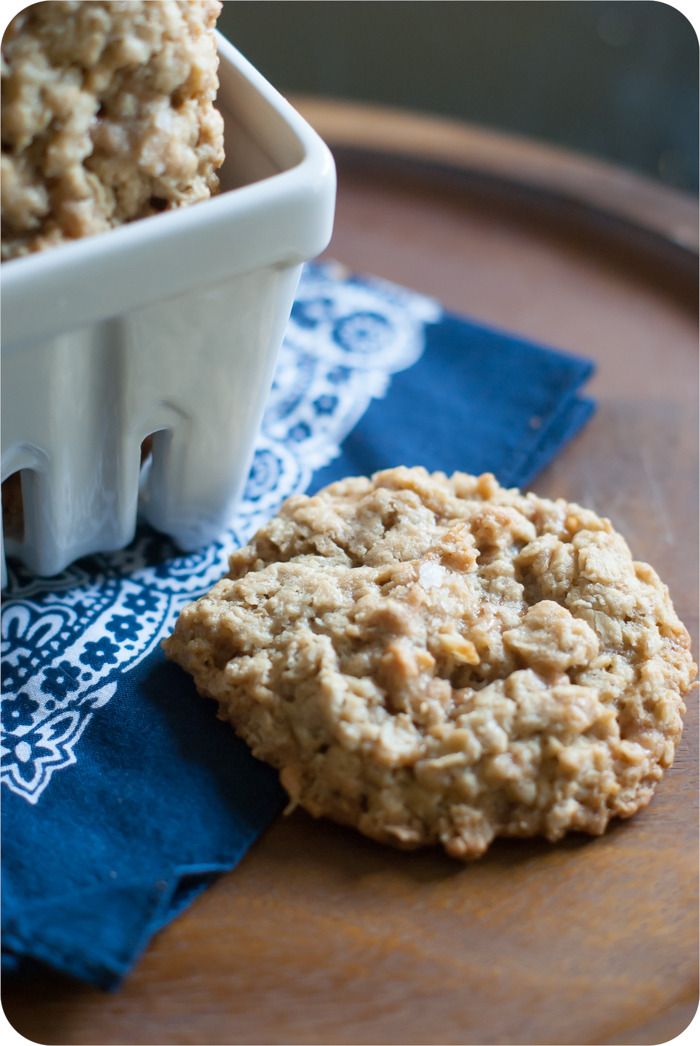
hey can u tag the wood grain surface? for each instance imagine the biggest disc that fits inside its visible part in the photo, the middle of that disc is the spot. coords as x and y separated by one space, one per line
321 936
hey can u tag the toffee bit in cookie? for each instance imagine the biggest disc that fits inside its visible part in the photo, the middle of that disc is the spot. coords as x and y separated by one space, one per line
107 115
440 660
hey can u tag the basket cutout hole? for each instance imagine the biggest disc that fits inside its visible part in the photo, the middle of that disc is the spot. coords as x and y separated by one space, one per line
146 451
13 505
153 447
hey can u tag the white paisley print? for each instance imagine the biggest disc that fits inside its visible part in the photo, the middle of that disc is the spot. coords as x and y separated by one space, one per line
67 640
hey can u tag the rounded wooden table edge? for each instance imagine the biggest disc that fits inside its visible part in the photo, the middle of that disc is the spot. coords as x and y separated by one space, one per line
663 212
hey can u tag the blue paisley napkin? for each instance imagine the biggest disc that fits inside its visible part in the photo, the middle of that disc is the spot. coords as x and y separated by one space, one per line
123 795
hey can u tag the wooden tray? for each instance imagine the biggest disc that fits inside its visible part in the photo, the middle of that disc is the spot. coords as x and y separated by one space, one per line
321 936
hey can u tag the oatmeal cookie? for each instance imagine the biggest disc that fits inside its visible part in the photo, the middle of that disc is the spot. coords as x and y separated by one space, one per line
442 660
107 115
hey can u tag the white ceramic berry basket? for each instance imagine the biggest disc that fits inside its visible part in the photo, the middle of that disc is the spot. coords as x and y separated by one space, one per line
168 327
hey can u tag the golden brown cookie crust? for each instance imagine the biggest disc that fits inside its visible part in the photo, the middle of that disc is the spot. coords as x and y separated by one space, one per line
442 660
107 115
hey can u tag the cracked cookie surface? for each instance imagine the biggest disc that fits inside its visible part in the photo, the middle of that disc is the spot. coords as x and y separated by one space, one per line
107 115
440 660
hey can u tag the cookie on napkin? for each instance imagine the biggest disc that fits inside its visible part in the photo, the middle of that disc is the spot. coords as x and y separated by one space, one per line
441 660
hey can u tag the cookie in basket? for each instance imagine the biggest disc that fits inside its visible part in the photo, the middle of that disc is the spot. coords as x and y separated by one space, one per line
441 660
107 115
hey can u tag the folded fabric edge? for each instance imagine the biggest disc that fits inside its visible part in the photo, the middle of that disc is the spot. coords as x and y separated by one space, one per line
338 270
560 430
165 899
564 429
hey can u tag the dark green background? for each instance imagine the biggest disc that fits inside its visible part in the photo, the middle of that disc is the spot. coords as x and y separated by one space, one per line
618 80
